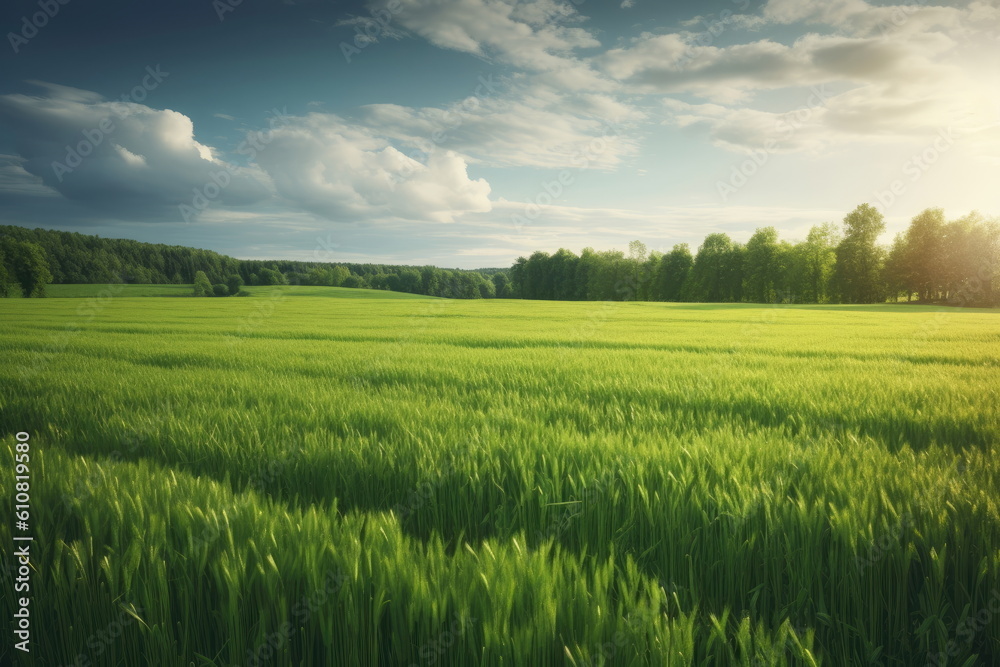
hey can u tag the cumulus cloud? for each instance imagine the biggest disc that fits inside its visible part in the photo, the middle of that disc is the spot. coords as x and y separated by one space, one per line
133 162
122 159
339 171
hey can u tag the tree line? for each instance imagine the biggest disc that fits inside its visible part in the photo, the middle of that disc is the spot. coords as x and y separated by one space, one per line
33 258
430 280
934 260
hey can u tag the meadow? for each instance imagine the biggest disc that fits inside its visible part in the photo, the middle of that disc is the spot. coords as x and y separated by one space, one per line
323 476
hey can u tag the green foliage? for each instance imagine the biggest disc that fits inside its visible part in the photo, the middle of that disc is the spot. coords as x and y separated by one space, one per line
923 261
330 276
763 268
220 289
25 263
234 283
79 259
202 286
626 483
817 259
354 281
502 287
956 262
672 274
717 273
269 276
7 283
859 260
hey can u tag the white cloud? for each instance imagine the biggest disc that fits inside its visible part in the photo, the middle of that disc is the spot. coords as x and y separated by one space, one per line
894 73
669 64
130 157
833 12
321 164
532 128
137 163
861 18
123 159
15 180
873 114
646 52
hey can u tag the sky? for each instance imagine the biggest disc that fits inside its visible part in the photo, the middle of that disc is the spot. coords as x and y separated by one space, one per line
466 133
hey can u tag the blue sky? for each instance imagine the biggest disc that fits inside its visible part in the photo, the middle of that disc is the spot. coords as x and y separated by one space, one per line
469 132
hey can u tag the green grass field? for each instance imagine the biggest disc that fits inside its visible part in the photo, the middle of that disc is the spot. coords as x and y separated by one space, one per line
316 476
